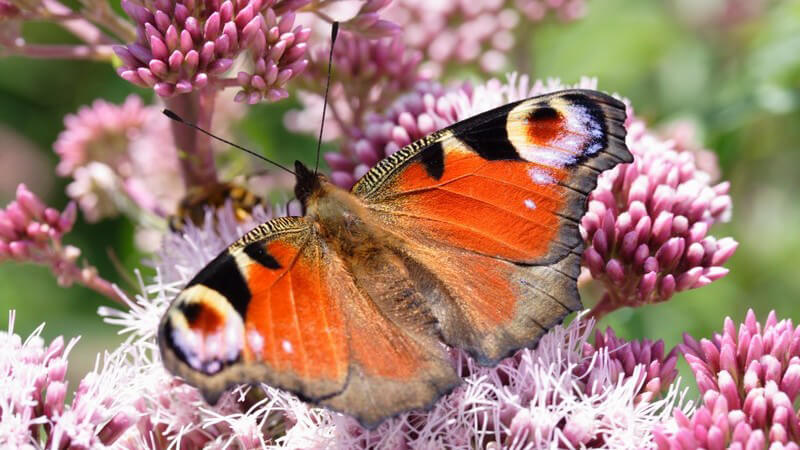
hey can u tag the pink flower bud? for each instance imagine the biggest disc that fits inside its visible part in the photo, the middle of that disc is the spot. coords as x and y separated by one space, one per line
29 202
343 179
728 389
54 398
115 427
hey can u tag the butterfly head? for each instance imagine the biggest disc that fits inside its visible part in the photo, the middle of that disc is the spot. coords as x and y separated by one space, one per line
308 183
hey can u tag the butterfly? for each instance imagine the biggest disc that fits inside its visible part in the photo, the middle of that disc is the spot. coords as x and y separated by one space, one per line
467 238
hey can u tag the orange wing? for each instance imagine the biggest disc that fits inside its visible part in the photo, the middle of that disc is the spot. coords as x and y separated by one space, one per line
489 210
279 307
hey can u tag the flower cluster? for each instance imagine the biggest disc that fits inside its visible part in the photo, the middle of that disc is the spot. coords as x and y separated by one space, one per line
183 46
411 117
28 229
32 232
33 410
109 151
657 369
175 413
120 160
100 132
647 225
750 380
684 135
368 74
463 31
565 394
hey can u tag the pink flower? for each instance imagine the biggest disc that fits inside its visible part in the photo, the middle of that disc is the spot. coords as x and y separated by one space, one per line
750 379
624 357
647 225
97 190
384 134
30 231
33 410
113 152
684 134
100 132
184 46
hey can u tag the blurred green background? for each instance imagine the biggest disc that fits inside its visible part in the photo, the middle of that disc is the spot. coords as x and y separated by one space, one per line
739 80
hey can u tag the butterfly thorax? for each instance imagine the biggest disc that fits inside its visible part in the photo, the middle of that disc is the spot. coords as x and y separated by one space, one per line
339 217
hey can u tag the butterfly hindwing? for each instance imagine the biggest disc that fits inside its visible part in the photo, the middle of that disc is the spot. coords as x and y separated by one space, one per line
490 207
398 362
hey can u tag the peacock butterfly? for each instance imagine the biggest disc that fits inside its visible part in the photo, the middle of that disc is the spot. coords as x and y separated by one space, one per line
467 238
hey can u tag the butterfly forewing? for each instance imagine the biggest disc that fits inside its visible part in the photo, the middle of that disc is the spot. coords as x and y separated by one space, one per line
489 211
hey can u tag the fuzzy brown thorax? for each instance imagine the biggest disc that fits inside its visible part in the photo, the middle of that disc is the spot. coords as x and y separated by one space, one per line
338 216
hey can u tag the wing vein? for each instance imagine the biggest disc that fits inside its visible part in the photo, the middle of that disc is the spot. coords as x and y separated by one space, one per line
547 294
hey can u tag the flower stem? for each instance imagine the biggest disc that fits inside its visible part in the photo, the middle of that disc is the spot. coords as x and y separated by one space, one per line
90 279
94 52
194 148
68 272
603 307
75 23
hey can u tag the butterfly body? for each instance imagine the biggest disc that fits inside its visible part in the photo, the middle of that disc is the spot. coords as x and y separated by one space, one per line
467 238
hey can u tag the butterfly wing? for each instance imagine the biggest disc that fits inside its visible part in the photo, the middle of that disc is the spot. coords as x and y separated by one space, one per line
279 307
489 210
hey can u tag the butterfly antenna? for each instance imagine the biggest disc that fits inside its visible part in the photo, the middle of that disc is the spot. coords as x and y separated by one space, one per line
179 119
334 32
